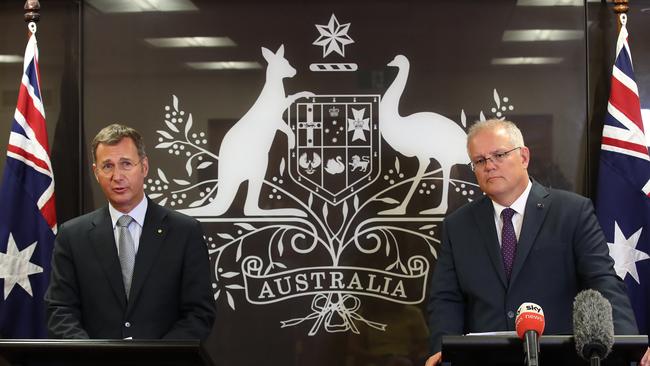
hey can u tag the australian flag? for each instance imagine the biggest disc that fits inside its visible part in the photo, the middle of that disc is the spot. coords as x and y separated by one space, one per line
623 202
27 212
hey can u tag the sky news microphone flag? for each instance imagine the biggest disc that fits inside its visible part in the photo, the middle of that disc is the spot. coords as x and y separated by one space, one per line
27 212
623 200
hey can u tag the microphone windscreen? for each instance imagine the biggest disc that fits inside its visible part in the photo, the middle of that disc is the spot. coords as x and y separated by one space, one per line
530 316
593 327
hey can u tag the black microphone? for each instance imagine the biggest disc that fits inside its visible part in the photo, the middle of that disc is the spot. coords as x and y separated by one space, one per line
593 327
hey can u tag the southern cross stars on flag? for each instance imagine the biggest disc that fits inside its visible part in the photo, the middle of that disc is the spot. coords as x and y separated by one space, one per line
623 201
27 215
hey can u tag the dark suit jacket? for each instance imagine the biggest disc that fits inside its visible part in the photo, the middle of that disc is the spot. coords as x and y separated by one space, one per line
561 250
170 294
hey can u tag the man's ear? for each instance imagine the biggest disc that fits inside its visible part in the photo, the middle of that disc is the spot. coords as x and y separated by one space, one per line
145 165
95 172
525 156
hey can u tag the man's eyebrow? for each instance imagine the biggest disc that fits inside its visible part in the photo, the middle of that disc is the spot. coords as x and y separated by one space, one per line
491 153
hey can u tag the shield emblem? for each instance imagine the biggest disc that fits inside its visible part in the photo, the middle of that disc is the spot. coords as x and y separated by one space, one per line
338 149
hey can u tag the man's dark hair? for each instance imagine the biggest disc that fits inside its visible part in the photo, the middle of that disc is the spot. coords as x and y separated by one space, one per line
113 134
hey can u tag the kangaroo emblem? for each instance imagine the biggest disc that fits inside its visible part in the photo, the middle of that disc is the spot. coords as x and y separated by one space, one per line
243 155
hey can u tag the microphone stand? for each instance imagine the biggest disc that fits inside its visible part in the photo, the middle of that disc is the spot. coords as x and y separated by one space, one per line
531 348
596 353
594 360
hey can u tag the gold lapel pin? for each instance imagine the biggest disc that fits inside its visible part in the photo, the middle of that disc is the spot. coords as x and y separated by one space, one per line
159 231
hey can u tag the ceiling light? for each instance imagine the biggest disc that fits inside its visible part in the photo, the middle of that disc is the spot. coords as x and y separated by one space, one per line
140 6
550 2
225 65
11 59
526 60
541 35
191 42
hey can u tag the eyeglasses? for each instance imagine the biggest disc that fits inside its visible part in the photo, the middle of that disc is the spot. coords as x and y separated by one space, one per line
496 158
123 165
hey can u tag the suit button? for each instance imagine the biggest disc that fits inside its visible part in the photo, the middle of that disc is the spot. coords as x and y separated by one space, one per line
511 314
127 324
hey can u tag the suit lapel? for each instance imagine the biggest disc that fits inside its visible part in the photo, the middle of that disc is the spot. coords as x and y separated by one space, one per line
151 240
103 241
537 207
484 217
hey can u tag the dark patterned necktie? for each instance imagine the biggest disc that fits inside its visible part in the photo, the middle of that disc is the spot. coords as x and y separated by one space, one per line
126 251
508 241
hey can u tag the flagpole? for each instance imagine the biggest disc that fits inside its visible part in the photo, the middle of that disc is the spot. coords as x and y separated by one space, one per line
620 7
32 14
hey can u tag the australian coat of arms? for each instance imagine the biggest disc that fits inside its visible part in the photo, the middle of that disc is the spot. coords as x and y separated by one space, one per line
347 211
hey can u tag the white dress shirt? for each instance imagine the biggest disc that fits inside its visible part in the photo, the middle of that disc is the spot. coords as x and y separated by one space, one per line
518 218
135 227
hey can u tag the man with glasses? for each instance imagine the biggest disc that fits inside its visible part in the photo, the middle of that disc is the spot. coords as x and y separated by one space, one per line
521 242
131 269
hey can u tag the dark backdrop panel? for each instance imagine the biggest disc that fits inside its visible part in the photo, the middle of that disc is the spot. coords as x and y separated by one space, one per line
451 74
340 278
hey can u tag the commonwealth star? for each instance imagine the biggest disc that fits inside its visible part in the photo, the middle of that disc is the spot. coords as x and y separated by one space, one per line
15 267
333 37
623 251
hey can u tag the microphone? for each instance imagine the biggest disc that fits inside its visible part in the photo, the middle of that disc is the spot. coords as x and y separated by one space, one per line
530 326
593 327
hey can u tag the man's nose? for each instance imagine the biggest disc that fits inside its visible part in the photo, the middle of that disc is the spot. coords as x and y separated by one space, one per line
490 164
117 174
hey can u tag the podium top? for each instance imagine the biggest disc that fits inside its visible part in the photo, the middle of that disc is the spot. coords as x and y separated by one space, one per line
103 352
554 350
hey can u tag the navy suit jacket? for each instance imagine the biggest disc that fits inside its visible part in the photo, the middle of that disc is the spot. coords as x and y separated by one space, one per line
561 250
170 293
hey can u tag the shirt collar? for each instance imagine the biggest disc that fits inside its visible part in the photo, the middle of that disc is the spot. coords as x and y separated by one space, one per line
519 205
137 213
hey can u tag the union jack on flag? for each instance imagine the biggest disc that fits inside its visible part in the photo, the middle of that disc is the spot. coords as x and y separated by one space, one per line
623 200
27 212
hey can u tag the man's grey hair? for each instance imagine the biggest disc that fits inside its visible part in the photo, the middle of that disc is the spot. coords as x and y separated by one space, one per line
113 134
514 134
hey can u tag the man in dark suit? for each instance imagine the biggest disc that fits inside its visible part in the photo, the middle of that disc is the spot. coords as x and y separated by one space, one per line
521 242
132 269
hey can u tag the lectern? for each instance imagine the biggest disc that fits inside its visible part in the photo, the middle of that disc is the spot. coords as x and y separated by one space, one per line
36 352
555 350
